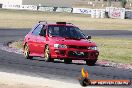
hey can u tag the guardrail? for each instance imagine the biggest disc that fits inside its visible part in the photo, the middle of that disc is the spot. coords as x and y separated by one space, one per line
111 12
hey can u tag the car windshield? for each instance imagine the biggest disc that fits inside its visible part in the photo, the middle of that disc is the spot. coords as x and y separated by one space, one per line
65 31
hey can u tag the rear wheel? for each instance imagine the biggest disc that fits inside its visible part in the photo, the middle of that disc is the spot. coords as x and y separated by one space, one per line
26 52
91 62
67 61
47 55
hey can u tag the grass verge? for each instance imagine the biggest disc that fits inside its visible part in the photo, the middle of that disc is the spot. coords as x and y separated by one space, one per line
26 19
115 49
111 49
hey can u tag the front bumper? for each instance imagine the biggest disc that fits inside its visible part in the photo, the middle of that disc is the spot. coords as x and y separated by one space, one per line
74 54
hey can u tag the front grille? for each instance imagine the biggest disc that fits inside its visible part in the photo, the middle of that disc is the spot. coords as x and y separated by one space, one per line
78 54
62 52
77 47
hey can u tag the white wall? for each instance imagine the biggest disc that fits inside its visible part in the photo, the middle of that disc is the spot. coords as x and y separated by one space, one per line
17 2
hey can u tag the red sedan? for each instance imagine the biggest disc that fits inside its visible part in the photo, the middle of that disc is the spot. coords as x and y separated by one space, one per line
59 40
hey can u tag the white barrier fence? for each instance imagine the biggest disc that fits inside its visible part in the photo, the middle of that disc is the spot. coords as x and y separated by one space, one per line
112 12
63 9
55 9
82 10
20 7
46 9
115 12
98 13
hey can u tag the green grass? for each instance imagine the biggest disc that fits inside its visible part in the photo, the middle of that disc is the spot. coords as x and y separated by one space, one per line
111 49
26 19
115 49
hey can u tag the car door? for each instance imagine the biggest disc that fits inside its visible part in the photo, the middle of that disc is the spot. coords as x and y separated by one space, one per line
30 38
35 39
41 41
31 41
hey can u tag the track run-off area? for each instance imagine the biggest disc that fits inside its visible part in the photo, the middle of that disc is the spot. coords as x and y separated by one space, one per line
15 63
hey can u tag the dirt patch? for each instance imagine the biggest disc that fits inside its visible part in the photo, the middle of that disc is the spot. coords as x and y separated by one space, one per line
15 44
11 80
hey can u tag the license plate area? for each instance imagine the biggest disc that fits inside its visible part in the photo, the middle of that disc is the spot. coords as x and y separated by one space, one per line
78 54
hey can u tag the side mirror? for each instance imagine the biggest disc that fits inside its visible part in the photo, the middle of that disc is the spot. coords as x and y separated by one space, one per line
88 37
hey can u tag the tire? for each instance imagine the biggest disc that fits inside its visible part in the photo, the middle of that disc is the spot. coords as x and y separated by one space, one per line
91 62
67 61
26 52
47 55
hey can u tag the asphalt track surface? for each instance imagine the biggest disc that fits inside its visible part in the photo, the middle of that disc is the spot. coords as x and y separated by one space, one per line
15 63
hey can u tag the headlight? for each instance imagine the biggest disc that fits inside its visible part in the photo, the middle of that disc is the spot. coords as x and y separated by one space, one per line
93 48
60 46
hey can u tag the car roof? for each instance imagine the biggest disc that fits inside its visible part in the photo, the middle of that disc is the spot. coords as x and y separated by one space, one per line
55 23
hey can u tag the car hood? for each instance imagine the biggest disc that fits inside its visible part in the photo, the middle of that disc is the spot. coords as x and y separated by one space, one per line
78 42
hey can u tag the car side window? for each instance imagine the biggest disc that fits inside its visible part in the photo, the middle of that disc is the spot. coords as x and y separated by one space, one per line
43 32
37 30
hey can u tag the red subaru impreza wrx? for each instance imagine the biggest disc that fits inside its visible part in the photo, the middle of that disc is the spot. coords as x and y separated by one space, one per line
59 40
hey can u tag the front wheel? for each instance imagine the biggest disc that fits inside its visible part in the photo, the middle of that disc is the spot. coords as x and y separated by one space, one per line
47 55
26 52
91 62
